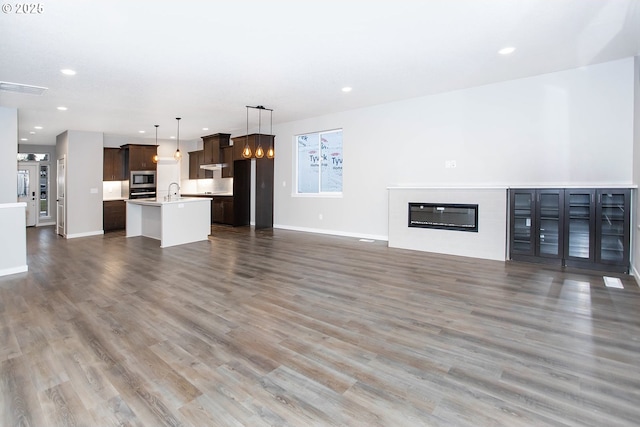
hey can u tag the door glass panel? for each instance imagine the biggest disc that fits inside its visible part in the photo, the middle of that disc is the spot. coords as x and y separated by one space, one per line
44 190
549 223
23 183
579 221
522 219
612 226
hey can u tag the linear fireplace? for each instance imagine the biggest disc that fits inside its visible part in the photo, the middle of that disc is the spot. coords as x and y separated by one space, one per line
447 216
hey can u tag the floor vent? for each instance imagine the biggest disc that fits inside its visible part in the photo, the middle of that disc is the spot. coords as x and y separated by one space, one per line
367 240
613 282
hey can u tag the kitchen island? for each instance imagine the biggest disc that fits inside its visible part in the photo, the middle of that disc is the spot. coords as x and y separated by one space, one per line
173 222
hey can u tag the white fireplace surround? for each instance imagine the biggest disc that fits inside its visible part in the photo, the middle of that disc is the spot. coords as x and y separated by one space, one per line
490 242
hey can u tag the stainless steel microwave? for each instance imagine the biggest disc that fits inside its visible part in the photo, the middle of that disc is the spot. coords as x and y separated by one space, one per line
142 179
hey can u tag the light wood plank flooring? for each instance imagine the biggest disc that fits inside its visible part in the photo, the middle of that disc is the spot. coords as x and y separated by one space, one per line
281 328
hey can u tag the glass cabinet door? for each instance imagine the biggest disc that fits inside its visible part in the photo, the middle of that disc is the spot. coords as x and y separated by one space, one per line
580 209
522 222
550 228
613 220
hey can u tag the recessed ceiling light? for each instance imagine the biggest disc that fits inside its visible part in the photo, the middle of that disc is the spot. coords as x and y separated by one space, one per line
37 127
32 133
507 50
68 72
140 131
205 128
61 108
172 137
24 139
346 89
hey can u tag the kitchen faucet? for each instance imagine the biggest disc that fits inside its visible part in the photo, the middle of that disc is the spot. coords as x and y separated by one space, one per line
177 195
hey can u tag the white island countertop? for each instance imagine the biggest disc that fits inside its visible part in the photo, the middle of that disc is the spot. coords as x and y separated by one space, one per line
173 222
161 201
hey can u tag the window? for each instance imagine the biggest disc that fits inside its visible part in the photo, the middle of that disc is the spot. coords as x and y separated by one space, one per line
319 162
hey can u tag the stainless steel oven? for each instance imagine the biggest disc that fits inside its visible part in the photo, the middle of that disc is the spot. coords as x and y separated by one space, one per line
142 179
142 193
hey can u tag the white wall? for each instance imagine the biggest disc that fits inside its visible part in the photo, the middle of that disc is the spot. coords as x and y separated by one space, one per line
83 150
572 127
13 249
635 219
9 152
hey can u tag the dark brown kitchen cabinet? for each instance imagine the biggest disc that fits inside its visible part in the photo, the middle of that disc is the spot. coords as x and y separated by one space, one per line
138 157
227 160
112 164
114 215
584 228
212 146
222 210
196 158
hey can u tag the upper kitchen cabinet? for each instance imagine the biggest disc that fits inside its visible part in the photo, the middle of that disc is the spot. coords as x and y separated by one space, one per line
227 160
212 146
196 158
139 157
113 165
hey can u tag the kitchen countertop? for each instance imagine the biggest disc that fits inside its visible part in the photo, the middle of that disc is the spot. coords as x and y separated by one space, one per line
221 194
161 201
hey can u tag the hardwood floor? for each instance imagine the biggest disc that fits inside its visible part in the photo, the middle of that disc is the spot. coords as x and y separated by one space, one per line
284 328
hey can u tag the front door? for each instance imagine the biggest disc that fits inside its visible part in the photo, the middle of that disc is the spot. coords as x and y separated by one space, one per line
27 188
60 224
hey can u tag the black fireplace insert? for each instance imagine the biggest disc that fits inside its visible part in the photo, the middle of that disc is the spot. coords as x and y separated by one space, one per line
444 216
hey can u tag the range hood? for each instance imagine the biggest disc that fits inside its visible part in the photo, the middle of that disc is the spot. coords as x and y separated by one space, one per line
214 166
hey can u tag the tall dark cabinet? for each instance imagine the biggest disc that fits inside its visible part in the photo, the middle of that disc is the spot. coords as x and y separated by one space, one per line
586 228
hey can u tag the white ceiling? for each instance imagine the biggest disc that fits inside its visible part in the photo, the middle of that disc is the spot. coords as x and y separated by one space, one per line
141 63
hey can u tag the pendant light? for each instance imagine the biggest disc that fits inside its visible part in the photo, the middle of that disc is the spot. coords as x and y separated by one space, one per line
270 152
178 155
259 150
155 156
246 151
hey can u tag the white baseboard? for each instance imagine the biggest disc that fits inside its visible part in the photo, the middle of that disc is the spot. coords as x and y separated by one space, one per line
14 270
636 275
87 234
332 232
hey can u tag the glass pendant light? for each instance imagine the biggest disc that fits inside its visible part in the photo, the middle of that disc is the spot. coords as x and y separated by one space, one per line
155 156
178 155
259 150
270 152
246 151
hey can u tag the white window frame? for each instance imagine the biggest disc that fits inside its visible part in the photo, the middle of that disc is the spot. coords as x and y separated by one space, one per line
320 193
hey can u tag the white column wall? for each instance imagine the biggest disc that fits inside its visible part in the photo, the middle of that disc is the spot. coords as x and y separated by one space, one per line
13 249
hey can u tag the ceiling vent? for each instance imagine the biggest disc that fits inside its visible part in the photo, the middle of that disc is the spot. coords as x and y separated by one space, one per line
22 88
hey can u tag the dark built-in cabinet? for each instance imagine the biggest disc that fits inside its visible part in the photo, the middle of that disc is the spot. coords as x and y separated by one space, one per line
196 158
585 228
139 158
218 149
113 164
114 215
